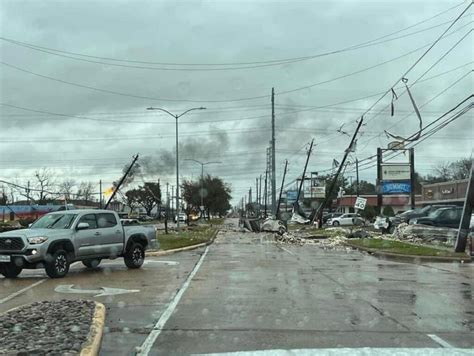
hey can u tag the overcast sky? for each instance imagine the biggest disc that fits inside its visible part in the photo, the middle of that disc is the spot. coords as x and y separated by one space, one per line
159 53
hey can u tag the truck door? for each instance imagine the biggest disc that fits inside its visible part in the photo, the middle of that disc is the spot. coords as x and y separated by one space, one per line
111 234
85 240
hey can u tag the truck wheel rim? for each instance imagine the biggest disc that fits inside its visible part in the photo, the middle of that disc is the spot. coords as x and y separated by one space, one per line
60 263
137 255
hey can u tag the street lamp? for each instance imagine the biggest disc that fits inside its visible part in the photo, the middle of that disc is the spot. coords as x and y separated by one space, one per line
176 116
202 178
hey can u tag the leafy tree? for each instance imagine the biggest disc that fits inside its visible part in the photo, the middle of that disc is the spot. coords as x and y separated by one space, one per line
216 195
364 188
388 211
147 196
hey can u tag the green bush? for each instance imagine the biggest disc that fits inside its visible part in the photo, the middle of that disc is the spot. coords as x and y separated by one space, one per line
388 211
368 213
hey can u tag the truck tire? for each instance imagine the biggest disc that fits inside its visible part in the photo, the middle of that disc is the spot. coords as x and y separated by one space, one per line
336 223
134 256
94 263
58 267
10 270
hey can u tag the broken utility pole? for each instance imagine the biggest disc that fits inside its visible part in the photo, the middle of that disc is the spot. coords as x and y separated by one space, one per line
463 232
121 181
281 189
304 173
319 211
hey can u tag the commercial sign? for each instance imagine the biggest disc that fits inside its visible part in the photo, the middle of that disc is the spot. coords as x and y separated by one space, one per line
360 203
291 196
395 171
398 187
318 192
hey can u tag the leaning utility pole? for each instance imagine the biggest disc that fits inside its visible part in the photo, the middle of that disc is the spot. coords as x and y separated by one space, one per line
281 189
273 155
304 172
357 177
319 212
463 232
121 182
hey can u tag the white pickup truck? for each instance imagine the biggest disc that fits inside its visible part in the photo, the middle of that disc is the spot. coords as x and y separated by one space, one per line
58 239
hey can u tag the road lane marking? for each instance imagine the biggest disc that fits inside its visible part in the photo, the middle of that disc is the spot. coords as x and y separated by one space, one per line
284 249
440 341
13 295
365 351
151 338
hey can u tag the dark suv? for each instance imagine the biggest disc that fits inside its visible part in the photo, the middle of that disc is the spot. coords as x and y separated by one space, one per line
445 217
409 215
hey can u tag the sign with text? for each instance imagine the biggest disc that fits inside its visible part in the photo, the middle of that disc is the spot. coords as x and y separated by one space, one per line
360 203
395 171
398 187
318 192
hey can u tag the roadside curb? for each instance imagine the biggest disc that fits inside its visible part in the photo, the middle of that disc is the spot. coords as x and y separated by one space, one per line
409 258
186 248
94 339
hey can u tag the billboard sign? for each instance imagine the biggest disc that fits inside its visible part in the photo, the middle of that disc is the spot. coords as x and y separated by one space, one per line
397 187
395 172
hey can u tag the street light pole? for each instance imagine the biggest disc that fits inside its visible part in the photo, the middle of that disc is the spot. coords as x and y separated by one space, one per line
176 116
202 180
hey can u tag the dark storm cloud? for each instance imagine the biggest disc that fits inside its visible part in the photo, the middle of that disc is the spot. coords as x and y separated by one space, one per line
203 32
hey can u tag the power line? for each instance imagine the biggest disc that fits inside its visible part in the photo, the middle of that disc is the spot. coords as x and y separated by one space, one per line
242 65
107 91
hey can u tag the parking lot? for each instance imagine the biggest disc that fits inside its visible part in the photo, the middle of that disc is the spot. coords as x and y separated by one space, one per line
245 293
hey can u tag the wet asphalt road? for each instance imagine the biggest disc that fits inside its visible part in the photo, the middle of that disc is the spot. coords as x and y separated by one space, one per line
247 293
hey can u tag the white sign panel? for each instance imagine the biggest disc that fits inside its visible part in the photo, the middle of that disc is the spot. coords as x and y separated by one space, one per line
360 203
318 192
395 172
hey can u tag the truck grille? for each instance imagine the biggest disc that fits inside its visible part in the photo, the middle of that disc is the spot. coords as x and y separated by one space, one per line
11 244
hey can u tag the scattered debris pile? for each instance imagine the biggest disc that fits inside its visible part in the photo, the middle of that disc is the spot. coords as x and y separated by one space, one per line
425 234
288 238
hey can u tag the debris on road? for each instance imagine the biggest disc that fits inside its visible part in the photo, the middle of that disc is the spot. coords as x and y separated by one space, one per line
271 225
56 327
288 238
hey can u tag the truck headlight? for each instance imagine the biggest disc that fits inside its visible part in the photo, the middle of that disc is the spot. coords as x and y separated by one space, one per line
37 240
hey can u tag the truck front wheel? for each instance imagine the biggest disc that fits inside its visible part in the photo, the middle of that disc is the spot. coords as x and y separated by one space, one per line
10 270
58 267
134 256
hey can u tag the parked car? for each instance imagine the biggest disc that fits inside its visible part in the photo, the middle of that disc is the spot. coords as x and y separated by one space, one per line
328 216
409 215
58 239
445 217
182 218
347 219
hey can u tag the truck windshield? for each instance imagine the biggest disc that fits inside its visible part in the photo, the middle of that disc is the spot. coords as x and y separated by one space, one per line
54 221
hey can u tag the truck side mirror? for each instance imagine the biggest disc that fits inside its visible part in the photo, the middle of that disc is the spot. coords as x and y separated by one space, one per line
82 226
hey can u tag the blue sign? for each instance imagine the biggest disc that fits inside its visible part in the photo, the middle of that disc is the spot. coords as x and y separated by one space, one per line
291 195
398 187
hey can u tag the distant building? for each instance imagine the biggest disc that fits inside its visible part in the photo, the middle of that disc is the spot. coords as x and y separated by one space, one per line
452 192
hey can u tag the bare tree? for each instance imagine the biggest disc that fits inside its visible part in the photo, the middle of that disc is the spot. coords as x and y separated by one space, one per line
444 171
67 187
85 191
44 182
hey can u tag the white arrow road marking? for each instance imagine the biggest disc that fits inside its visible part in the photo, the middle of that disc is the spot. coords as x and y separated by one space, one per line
102 291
